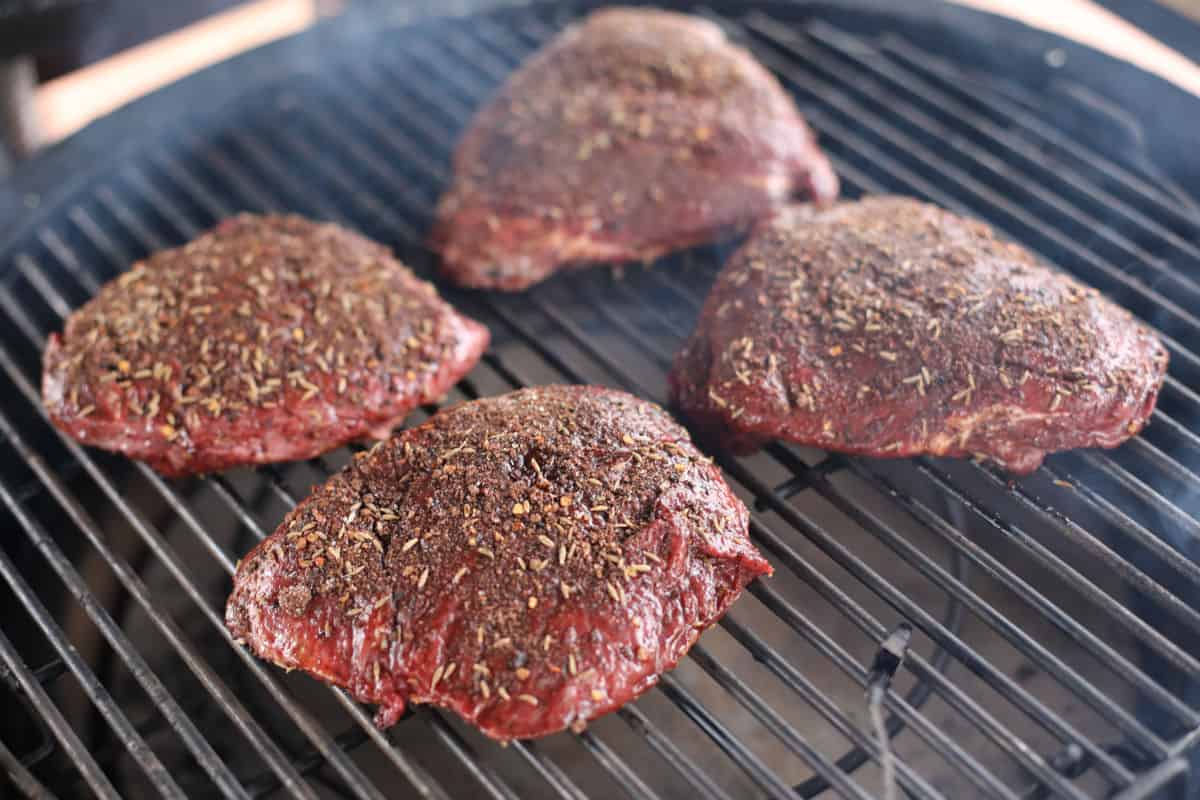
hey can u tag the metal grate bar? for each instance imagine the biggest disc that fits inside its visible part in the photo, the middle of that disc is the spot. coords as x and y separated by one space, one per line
66 736
1171 474
133 742
1151 500
630 781
782 730
984 721
640 724
21 777
823 643
307 764
1061 567
979 556
548 770
242 185
1167 204
983 778
1156 778
1045 717
1050 663
823 45
1165 425
752 765
1181 523
1128 573
482 772
195 742
944 103
1094 594
50 671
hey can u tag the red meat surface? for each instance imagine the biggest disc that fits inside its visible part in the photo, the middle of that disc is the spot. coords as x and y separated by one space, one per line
530 561
266 339
890 327
630 135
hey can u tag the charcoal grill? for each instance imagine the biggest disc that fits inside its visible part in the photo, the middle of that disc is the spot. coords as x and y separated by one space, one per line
1056 648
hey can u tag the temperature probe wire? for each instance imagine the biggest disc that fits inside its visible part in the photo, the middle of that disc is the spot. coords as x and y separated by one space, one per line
888 659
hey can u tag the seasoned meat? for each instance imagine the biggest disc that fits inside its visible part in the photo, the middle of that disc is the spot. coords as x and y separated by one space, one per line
266 339
889 327
635 133
531 561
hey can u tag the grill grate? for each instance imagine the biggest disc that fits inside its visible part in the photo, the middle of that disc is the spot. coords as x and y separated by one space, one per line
1055 646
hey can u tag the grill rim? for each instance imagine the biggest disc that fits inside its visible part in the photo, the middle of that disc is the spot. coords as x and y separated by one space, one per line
52 207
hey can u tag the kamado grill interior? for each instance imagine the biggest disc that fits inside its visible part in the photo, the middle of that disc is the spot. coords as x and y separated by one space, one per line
1056 636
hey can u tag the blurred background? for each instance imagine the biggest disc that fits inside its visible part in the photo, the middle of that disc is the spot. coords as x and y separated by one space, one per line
64 63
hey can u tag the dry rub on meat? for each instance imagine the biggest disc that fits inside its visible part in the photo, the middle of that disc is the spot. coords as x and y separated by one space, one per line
531 561
266 339
635 133
889 327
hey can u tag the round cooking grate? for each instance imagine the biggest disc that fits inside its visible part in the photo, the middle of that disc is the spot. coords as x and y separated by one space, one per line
1055 632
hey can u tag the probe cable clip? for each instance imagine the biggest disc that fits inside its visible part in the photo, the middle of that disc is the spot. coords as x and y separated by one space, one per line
888 658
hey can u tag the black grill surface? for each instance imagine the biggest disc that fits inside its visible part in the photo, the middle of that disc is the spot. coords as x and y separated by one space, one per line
1056 647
